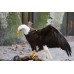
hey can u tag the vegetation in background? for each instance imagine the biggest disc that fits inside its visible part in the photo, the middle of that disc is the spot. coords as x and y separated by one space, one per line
10 23
42 20
13 21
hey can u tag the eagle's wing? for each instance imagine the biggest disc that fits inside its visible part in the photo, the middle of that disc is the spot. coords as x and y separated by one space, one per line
53 38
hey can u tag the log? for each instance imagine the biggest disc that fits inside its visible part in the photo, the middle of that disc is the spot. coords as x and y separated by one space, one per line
27 58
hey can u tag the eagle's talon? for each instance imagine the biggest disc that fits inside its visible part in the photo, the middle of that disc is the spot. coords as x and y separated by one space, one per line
33 54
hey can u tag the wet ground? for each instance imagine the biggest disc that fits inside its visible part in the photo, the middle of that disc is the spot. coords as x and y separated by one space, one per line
8 52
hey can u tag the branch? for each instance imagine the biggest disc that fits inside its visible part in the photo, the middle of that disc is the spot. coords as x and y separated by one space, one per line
27 58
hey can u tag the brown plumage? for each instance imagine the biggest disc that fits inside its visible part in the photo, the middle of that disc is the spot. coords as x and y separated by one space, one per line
48 36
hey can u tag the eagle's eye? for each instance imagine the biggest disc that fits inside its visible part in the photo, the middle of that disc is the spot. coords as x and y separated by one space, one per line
20 30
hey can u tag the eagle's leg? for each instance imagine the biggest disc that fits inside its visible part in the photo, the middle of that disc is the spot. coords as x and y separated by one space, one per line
34 54
48 54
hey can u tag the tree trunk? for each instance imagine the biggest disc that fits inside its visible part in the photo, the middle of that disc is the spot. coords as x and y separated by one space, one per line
24 17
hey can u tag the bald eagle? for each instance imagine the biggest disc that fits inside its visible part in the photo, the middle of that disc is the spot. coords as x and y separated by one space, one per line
43 38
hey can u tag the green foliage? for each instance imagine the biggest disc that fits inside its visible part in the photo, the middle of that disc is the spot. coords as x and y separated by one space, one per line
13 19
42 20
13 22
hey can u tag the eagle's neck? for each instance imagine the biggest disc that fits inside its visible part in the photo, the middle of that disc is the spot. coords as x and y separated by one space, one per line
26 30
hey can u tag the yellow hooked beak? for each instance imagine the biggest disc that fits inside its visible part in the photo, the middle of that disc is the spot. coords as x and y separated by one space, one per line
18 32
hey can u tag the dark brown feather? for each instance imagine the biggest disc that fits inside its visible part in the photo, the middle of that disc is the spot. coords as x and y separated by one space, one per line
48 36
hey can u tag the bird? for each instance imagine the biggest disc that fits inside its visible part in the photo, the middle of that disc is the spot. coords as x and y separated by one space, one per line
42 39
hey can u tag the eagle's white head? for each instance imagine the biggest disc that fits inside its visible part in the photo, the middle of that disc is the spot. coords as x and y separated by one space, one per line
24 28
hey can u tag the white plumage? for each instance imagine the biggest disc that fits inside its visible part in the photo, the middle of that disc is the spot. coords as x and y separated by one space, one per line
24 28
